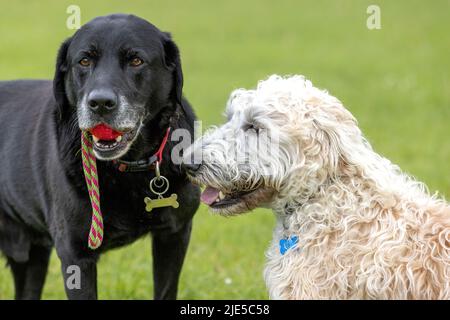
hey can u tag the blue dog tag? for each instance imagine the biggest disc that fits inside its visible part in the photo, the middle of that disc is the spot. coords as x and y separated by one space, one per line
288 243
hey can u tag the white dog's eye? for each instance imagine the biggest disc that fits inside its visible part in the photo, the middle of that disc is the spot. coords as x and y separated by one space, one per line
250 126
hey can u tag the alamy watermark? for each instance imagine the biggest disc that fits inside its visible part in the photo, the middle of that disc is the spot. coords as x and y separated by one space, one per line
244 148
73 281
73 21
373 21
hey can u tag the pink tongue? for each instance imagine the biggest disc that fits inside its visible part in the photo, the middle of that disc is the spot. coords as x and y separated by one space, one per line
209 195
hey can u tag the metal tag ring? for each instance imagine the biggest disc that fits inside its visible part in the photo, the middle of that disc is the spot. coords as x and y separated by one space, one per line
153 184
159 182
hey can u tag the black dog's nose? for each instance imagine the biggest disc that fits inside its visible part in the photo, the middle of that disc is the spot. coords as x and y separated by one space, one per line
191 167
102 101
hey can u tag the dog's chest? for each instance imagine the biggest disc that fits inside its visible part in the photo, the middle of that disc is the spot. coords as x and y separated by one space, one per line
124 215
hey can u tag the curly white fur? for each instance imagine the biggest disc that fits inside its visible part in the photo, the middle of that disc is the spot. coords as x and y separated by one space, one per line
365 228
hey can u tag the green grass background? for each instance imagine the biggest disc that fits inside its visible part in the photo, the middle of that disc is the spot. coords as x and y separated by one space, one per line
395 81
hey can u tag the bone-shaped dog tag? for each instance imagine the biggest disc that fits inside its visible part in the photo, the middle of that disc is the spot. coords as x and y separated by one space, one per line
161 202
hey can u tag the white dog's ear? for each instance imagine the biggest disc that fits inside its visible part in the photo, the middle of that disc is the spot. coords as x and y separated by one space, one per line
342 142
239 99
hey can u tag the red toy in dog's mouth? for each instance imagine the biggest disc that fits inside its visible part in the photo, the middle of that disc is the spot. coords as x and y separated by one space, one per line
103 132
110 143
105 138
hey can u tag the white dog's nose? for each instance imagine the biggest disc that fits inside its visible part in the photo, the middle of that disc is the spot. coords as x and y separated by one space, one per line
191 167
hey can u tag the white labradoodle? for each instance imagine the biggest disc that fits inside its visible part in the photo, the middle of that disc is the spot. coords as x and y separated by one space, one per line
350 224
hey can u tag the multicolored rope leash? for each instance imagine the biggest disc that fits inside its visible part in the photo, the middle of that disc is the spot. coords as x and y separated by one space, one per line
91 177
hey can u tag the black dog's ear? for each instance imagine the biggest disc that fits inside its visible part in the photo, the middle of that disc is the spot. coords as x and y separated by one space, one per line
172 61
59 90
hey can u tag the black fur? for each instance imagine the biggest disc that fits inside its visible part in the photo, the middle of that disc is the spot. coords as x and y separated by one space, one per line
43 197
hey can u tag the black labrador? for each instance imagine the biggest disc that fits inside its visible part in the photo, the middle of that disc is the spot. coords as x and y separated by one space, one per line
122 72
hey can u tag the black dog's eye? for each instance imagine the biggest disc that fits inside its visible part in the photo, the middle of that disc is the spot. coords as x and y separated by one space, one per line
136 62
85 62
